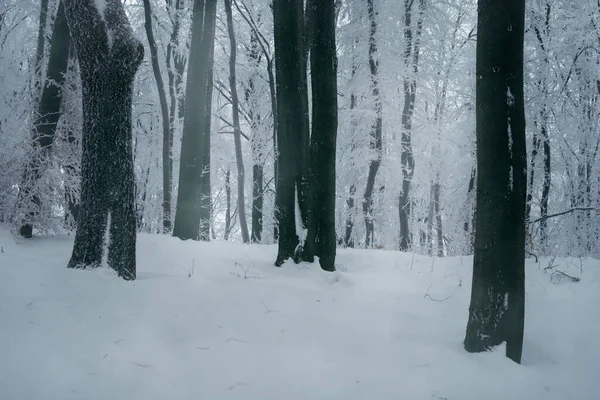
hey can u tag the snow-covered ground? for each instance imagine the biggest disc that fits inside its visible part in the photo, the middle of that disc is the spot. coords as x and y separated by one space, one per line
218 321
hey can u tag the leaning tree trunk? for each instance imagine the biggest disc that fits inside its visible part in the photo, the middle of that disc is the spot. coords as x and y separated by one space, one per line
237 132
292 128
497 309
323 64
44 126
109 56
164 108
195 142
376 131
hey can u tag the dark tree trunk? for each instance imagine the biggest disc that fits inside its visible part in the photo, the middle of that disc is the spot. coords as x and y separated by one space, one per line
376 131
164 108
237 133
470 212
411 63
530 185
545 187
192 219
228 204
257 144
292 128
108 67
323 63
497 309
348 238
542 34
257 202
48 114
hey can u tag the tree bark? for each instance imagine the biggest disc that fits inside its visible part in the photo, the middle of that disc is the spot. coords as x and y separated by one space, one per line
237 135
411 63
41 47
497 309
109 56
48 114
257 144
376 131
292 128
164 108
323 63
228 204
192 218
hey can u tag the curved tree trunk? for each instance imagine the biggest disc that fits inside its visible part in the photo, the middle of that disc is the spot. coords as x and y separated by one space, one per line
497 309
237 134
192 219
376 132
411 63
48 114
109 56
164 108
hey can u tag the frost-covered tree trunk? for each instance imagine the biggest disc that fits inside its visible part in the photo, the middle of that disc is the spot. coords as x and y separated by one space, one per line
376 131
497 309
41 46
323 63
164 108
48 114
109 56
292 127
237 133
176 63
411 62
258 150
192 216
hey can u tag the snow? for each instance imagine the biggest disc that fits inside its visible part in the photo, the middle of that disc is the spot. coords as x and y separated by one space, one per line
101 7
218 321
301 230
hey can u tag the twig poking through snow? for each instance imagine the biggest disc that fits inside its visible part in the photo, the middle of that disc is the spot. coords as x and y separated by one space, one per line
427 295
269 311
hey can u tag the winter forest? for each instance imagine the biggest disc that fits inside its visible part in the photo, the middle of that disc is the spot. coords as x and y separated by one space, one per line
424 173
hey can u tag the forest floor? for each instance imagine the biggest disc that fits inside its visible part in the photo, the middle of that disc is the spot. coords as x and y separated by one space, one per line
217 321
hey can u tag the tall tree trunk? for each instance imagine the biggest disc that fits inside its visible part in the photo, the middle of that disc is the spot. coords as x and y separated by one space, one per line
41 47
109 56
206 215
191 220
545 186
48 114
164 108
323 63
376 131
438 216
176 63
497 309
542 34
228 204
411 63
292 130
237 133
470 212
257 144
